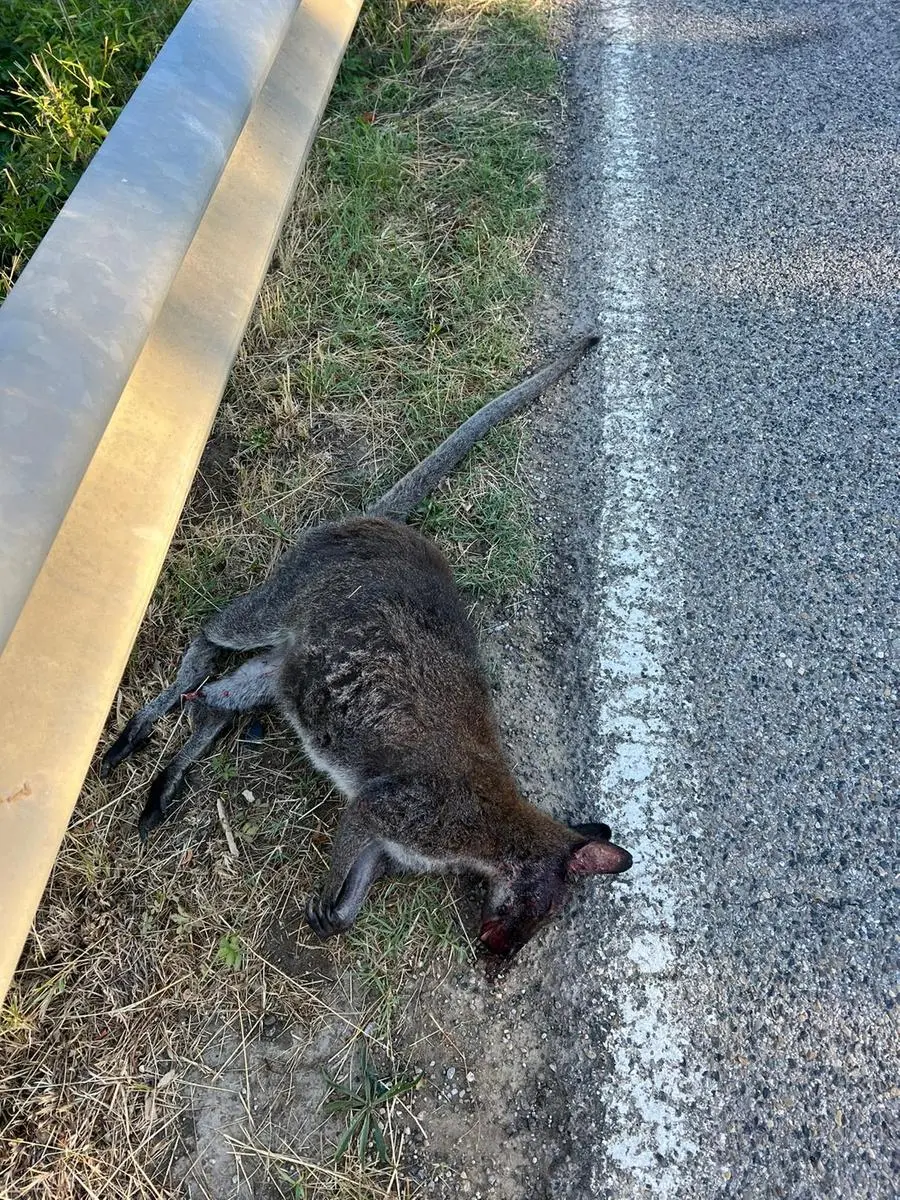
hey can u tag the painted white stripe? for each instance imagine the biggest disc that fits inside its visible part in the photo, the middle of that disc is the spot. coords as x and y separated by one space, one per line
645 1095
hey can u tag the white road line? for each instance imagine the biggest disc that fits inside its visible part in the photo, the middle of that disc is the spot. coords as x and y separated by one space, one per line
649 1087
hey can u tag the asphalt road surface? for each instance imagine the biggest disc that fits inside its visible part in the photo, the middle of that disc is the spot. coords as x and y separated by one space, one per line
731 216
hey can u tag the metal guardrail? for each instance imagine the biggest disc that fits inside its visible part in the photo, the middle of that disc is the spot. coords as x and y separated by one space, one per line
73 326
115 347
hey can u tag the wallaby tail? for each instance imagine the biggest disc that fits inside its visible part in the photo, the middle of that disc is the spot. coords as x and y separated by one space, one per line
416 484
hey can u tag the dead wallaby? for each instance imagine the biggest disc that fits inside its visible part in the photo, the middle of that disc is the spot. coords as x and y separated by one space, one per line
368 652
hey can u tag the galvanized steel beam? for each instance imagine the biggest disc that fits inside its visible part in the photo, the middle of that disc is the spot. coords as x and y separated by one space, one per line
105 405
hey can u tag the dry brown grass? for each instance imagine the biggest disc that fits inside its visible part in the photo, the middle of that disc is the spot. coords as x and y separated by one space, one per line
394 307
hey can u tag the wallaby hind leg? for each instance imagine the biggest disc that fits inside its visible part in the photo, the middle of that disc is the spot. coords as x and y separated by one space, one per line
253 620
248 623
251 686
197 665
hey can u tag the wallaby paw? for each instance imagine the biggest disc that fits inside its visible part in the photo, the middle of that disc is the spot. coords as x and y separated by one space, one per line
129 740
165 792
322 919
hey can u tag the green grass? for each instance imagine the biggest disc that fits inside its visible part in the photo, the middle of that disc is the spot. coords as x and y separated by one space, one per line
67 67
405 927
399 299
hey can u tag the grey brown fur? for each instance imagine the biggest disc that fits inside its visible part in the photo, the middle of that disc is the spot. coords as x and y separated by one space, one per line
369 654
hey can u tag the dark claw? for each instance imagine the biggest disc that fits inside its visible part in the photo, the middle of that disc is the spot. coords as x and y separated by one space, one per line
165 792
126 744
148 820
321 919
313 917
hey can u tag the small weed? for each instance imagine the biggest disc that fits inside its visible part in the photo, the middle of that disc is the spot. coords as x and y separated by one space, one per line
365 1105
260 438
223 766
14 1019
230 953
297 1190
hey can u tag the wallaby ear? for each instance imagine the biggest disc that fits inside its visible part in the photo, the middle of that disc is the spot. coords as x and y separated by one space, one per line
598 858
594 831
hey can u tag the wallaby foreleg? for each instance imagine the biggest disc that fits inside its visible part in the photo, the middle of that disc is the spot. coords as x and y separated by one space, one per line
357 861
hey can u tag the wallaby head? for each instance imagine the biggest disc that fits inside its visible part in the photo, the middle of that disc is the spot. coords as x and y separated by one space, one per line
522 899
